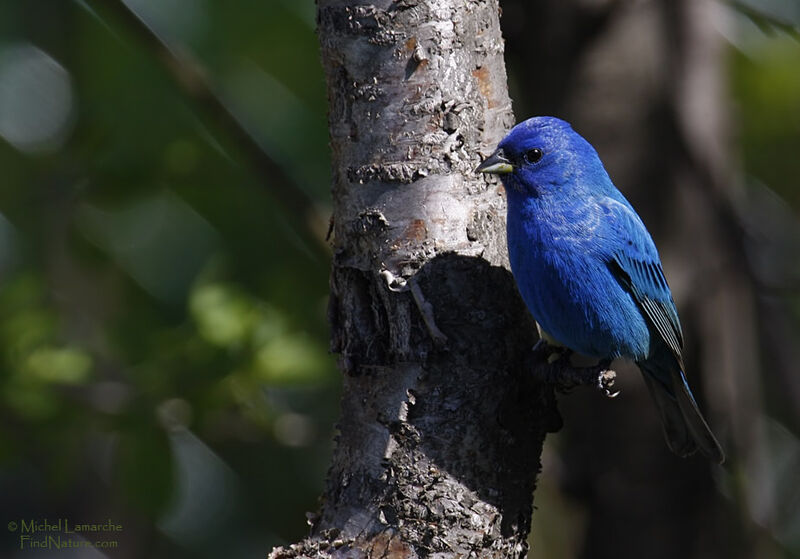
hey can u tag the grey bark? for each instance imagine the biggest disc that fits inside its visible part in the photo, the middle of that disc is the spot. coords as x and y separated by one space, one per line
441 428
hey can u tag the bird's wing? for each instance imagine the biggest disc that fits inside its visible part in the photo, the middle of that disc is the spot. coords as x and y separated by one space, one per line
633 260
645 281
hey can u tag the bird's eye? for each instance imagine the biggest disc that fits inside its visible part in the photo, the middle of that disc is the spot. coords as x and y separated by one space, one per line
532 155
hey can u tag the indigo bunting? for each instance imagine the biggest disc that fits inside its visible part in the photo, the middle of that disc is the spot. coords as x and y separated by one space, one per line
589 271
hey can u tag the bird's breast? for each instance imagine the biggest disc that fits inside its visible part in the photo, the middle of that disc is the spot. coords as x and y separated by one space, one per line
569 289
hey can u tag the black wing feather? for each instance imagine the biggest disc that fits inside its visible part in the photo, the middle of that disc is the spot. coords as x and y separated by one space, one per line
646 282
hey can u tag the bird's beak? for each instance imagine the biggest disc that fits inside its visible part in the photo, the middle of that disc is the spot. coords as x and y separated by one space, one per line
496 164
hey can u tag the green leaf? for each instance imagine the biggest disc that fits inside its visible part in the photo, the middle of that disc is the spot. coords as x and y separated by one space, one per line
67 365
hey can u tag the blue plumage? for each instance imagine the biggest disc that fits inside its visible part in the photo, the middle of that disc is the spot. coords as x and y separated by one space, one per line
588 269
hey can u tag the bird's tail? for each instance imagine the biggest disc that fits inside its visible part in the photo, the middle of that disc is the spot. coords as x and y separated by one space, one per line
685 428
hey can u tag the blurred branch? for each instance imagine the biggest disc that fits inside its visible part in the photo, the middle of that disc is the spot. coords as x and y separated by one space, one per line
193 79
767 23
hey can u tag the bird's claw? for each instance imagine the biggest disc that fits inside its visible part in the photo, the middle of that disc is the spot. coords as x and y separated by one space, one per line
605 382
565 377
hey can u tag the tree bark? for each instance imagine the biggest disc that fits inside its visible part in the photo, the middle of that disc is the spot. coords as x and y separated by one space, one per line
441 428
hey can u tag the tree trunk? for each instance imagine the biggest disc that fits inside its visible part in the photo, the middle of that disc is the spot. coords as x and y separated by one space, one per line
441 428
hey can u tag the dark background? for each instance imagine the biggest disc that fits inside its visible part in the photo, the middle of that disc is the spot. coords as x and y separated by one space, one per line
163 342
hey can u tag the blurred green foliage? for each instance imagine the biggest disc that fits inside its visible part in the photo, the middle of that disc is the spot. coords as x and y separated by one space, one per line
163 344
766 83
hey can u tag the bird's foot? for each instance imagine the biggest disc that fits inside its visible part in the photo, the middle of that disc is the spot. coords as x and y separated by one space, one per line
541 347
552 362
555 368
550 353
606 380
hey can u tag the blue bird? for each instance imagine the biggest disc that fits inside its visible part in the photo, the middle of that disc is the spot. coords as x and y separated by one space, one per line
589 271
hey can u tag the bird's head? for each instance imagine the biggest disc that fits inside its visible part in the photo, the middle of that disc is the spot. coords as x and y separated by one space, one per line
544 156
